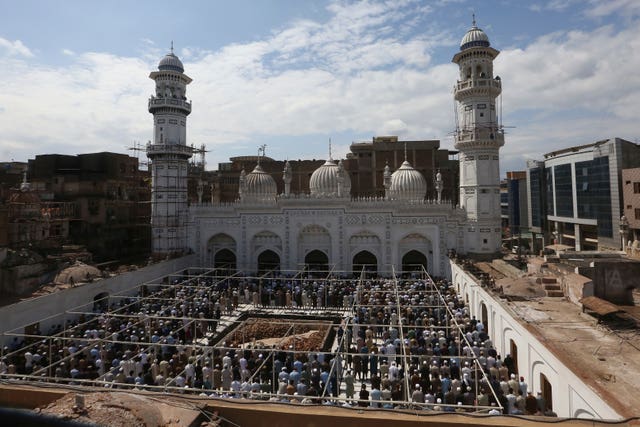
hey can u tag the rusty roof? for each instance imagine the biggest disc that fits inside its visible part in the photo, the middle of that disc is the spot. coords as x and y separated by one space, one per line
600 306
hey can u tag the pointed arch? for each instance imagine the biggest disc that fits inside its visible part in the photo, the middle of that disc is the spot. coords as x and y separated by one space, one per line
314 238
216 244
364 259
268 260
317 260
416 251
226 259
414 261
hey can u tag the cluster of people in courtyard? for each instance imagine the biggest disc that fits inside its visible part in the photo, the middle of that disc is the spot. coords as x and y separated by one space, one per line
405 343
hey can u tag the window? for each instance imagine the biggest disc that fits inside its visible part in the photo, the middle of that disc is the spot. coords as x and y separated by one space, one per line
627 182
637 212
468 107
482 106
636 187
484 241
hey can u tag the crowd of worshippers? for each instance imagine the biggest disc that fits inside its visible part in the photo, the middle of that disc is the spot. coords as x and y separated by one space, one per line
401 348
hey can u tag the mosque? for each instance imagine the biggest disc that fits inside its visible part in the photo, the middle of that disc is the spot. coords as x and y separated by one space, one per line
327 228
580 369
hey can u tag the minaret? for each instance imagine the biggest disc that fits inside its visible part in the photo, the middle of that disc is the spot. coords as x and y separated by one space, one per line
169 155
479 137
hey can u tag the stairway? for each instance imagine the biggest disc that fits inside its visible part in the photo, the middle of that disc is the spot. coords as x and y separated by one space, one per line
551 287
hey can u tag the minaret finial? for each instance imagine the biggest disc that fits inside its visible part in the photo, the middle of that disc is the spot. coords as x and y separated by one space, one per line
171 47
330 158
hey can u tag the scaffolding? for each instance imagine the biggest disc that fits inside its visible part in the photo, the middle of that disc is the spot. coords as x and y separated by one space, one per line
186 319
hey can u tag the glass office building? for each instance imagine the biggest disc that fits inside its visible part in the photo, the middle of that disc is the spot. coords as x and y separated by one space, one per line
575 194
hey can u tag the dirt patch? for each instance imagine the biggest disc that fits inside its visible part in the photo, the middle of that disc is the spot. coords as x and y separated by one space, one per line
278 333
117 409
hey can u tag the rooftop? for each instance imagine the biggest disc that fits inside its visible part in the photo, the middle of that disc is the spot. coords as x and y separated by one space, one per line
604 353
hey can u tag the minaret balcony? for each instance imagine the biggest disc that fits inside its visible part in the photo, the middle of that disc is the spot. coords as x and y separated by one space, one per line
484 137
180 150
157 103
472 87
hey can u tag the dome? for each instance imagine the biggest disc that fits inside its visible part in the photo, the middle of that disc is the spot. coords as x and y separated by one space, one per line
171 62
407 183
76 273
324 180
259 185
474 37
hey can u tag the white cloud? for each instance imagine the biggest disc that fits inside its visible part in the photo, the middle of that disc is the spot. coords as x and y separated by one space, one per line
571 88
68 52
353 74
604 8
15 48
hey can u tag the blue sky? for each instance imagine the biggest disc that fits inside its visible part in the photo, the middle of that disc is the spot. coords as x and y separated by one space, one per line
292 74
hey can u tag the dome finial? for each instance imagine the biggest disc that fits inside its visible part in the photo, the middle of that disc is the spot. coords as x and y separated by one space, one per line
405 151
330 158
473 21
262 149
171 47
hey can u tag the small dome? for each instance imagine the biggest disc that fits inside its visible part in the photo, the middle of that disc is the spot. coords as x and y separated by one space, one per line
76 273
259 185
324 180
171 62
24 198
474 37
407 184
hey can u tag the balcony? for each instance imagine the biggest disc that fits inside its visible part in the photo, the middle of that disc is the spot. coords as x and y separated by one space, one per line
155 103
485 137
176 149
470 86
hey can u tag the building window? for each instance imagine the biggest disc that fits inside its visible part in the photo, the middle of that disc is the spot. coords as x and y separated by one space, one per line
468 107
637 212
636 187
482 106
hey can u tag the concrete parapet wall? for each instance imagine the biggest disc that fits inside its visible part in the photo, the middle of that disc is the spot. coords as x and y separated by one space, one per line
44 309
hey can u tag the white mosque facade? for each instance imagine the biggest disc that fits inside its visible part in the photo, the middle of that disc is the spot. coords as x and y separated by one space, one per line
328 228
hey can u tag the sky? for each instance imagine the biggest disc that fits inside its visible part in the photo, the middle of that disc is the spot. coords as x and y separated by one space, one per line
293 74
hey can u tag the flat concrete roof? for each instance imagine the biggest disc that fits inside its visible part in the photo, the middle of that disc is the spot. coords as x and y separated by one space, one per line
606 356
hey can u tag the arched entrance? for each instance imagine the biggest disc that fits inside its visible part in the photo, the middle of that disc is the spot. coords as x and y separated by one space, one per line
484 318
514 356
267 261
224 258
414 260
364 259
547 392
317 260
221 250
